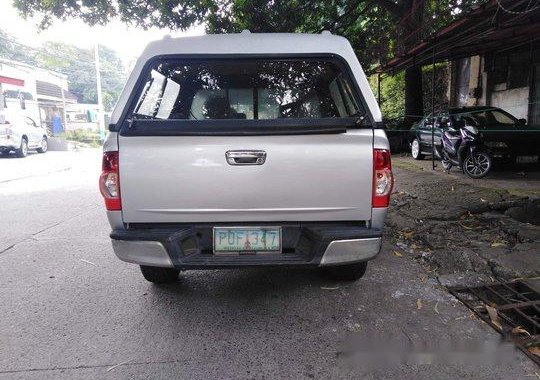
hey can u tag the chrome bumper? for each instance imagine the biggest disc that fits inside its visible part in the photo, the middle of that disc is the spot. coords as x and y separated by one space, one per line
338 252
341 252
151 253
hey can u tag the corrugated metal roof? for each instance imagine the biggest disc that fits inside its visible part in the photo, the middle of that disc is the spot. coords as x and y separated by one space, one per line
484 30
48 89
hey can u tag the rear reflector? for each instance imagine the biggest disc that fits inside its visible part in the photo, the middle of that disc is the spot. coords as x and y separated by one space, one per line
383 179
109 181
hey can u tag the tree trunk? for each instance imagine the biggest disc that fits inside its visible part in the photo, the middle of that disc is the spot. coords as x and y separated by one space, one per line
414 101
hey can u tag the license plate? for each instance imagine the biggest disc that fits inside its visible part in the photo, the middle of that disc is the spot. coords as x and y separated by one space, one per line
526 159
247 239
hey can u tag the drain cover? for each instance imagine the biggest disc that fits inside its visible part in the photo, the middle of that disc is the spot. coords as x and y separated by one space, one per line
512 308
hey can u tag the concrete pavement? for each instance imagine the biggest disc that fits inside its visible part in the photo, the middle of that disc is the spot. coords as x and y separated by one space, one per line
70 309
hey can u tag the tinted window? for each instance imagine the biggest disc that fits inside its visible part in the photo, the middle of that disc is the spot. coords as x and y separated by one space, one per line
502 118
247 89
486 118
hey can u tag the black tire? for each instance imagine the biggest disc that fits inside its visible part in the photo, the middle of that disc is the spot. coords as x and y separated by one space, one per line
350 272
477 165
23 149
159 275
415 150
44 146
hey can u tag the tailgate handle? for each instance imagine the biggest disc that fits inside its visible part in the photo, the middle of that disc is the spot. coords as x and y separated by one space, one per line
245 157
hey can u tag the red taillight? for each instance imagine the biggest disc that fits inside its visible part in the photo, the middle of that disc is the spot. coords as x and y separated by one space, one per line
383 179
109 181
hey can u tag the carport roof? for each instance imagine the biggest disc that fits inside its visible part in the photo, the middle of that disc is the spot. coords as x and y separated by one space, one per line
488 28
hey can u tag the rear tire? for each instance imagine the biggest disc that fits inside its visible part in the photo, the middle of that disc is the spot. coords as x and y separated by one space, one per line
23 149
415 150
350 272
158 275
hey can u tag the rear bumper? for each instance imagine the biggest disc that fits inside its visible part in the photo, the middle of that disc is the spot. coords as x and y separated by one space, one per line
7 144
190 247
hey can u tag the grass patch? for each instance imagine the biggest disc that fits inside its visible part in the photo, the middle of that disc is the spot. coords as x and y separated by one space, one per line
405 163
83 136
523 192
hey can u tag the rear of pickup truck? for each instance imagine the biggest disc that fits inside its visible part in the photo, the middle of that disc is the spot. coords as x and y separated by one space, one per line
268 157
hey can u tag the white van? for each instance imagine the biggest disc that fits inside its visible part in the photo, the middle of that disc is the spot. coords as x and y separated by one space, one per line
247 150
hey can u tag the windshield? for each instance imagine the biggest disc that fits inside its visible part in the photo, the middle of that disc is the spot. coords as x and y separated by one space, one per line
247 89
487 118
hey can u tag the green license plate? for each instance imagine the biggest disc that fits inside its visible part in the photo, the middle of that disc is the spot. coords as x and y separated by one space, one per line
247 239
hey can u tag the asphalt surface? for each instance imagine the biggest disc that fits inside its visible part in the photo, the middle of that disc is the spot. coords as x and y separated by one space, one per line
71 310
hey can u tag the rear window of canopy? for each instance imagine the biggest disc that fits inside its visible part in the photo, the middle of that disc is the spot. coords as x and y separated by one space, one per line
247 88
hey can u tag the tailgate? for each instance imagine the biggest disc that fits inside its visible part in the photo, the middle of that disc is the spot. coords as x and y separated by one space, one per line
176 179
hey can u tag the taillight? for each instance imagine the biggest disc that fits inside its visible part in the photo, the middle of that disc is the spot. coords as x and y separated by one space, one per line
109 181
383 179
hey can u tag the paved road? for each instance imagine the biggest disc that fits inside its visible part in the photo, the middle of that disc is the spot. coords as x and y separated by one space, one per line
71 310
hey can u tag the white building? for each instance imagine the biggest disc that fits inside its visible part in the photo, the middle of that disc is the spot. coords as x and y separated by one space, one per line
82 116
509 81
34 92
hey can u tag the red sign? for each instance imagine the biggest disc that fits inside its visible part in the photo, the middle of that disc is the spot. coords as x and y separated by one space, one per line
13 81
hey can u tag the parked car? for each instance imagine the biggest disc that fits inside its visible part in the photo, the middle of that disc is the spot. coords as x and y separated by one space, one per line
397 136
22 134
247 150
507 138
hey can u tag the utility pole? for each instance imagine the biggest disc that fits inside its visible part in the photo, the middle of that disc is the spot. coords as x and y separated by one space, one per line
101 117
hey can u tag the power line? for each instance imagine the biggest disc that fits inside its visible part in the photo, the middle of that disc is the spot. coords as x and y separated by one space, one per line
527 10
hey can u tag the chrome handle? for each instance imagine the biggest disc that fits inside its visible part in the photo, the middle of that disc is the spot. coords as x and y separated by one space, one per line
245 157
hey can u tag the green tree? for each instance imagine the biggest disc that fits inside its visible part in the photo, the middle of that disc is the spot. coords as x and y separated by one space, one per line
12 49
374 27
392 95
76 63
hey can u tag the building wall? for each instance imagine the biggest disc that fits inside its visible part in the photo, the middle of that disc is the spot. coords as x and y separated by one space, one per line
46 87
82 116
515 101
483 93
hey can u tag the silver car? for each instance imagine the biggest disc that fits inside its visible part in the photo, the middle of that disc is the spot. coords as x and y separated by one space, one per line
21 135
247 150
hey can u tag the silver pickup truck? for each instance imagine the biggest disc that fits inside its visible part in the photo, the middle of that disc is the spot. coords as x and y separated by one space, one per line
247 150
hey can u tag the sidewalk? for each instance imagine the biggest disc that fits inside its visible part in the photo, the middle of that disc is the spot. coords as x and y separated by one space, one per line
466 231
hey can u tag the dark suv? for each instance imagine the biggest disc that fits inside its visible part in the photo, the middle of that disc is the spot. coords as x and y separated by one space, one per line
509 139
